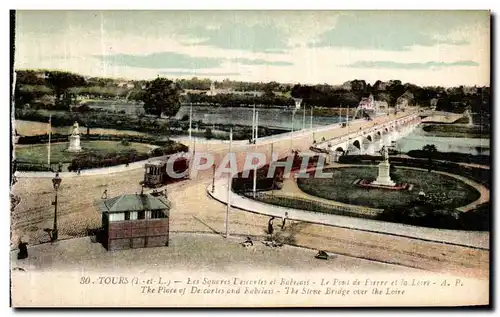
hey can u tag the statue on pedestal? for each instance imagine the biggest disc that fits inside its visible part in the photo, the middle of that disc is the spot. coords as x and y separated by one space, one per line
76 130
385 154
384 177
74 139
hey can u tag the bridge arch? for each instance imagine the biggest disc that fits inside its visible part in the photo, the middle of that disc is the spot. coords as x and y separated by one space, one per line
357 144
339 149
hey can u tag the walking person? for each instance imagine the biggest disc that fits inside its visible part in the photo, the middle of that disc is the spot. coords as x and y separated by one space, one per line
270 228
284 221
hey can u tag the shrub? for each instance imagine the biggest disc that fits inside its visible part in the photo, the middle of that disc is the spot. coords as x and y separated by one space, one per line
208 134
125 142
88 160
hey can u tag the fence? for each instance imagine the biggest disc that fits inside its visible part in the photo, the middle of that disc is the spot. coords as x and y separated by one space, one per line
312 205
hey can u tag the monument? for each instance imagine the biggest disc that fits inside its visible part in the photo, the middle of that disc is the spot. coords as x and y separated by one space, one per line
383 180
298 102
74 139
468 115
384 177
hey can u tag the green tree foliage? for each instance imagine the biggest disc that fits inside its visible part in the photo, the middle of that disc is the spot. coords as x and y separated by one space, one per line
270 88
161 96
61 82
194 83
30 77
430 151
208 134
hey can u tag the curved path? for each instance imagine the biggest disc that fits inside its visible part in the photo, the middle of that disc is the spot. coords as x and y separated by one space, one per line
455 237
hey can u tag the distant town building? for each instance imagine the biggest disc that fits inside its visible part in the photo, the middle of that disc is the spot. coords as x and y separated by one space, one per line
135 221
367 103
404 100
217 91
126 84
221 91
370 106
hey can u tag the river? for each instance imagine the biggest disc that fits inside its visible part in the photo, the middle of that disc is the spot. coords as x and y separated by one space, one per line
268 117
418 138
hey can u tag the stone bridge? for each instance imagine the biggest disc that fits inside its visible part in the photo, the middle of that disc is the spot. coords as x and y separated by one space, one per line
370 139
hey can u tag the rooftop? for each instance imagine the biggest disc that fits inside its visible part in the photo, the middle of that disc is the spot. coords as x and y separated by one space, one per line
133 202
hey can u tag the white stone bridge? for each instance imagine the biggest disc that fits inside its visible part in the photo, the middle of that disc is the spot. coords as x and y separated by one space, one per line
370 139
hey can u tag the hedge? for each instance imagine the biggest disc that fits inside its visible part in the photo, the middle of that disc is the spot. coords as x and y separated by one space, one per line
429 215
91 159
95 160
56 137
480 175
452 156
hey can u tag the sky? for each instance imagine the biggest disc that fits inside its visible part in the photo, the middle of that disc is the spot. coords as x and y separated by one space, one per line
427 48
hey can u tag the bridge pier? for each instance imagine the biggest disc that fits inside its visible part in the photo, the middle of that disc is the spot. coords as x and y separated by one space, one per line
395 135
371 148
386 139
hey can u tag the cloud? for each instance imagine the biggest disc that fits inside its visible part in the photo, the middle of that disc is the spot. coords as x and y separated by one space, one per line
248 61
162 60
396 31
165 60
396 65
237 36
197 74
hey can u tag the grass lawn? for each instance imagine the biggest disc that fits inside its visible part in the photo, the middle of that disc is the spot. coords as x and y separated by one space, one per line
38 153
27 128
456 131
341 188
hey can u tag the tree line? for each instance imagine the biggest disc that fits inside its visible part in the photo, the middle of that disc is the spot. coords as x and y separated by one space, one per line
165 96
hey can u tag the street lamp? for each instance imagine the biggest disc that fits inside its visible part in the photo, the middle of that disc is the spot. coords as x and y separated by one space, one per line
213 178
56 182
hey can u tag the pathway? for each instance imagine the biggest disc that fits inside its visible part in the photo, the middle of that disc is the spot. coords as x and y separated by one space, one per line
455 237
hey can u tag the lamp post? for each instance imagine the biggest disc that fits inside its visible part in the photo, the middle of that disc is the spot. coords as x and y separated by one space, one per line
213 179
56 182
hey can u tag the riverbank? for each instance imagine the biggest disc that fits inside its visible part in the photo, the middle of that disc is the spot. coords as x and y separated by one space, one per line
457 131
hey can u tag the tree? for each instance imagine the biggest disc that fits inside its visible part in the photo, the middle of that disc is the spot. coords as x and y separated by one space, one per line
61 82
269 89
161 96
208 134
430 150
23 97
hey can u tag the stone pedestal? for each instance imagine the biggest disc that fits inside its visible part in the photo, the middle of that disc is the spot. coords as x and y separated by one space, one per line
384 178
74 143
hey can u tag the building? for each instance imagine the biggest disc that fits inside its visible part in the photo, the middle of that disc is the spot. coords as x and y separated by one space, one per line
367 103
135 221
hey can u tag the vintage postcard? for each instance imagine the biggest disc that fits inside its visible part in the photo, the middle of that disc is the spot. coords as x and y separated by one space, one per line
250 158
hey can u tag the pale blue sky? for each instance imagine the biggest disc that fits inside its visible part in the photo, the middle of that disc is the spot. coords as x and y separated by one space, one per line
424 47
